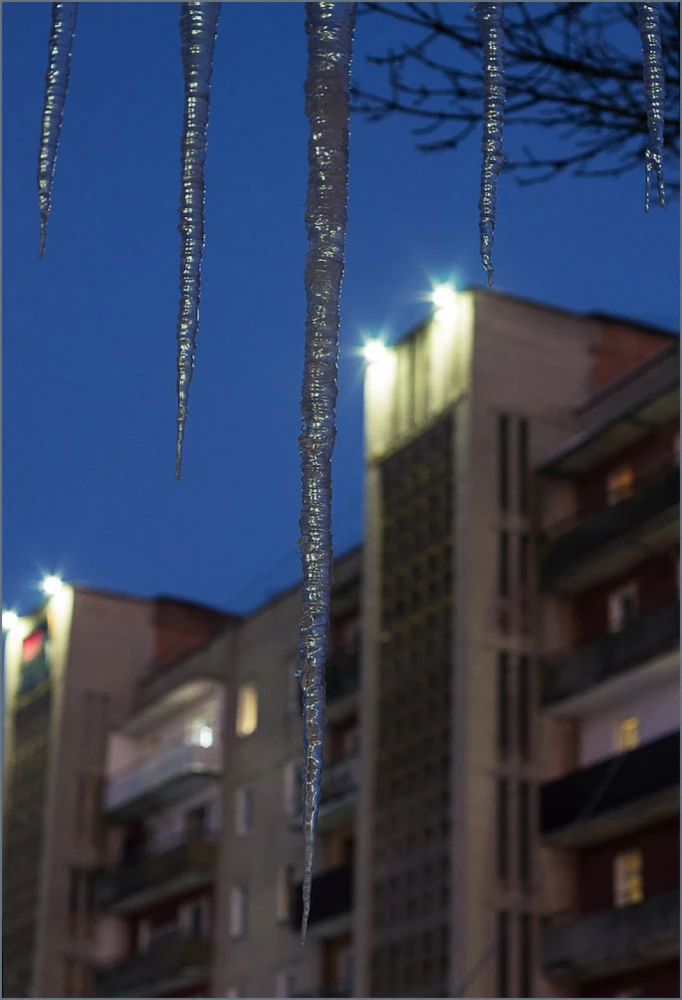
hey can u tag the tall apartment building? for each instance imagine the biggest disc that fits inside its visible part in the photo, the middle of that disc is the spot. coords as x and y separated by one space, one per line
609 805
71 670
448 895
259 891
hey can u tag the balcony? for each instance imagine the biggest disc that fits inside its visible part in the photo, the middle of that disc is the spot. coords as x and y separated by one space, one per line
343 681
158 877
572 674
614 796
605 542
331 903
162 780
338 793
612 941
173 964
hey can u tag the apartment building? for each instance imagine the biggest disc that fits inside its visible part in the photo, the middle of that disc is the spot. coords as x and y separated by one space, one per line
449 899
71 670
610 692
258 921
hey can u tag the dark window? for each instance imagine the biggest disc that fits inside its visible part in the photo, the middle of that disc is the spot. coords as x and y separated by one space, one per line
503 564
525 955
524 549
196 822
524 705
502 832
502 958
503 461
523 466
503 703
524 832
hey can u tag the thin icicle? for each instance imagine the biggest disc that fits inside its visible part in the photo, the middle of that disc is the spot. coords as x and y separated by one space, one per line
198 27
329 27
489 18
654 91
56 86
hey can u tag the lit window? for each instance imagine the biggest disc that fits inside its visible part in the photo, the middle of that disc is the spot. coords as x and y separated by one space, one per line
620 484
200 735
628 884
243 808
238 911
623 607
627 735
247 710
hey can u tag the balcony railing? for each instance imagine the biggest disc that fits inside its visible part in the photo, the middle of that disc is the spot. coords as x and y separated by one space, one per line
613 940
163 779
331 898
156 877
583 536
170 964
611 786
569 674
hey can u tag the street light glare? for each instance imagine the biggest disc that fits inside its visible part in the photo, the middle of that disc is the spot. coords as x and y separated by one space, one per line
443 297
374 351
51 585
9 620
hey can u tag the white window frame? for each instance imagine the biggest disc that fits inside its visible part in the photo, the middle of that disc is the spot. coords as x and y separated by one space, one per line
615 603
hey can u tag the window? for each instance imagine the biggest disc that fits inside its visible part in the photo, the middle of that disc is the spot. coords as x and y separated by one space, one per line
243 811
502 958
503 564
503 461
628 886
523 466
503 703
620 484
524 832
233 991
290 789
525 955
196 822
238 911
622 607
524 706
285 878
502 833
200 734
627 735
247 710
284 984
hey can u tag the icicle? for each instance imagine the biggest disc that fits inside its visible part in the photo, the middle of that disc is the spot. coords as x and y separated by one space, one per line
489 21
329 27
56 86
198 27
654 91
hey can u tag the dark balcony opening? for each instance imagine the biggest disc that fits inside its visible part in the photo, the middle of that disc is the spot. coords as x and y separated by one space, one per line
172 961
572 672
610 785
332 897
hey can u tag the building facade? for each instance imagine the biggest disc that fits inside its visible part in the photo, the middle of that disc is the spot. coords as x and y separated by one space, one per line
71 670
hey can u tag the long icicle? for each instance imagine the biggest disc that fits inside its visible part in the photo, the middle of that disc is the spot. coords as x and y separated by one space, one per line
56 86
329 27
198 28
489 19
654 92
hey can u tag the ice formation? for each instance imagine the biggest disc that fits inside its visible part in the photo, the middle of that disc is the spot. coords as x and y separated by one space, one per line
489 19
654 91
56 86
329 27
198 27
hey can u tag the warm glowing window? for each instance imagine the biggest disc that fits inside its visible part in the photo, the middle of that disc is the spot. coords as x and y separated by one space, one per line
628 883
247 710
620 484
623 607
627 734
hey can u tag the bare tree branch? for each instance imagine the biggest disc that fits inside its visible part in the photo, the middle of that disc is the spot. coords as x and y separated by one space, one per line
569 71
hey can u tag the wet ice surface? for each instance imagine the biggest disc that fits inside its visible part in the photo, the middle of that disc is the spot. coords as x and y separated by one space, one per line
654 90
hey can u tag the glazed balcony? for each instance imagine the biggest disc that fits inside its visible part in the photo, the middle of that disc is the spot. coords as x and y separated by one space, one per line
155 878
576 949
606 541
338 793
613 796
572 675
173 965
162 779
331 903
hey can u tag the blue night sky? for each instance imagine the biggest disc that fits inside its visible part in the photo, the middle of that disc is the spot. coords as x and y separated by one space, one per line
89 332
